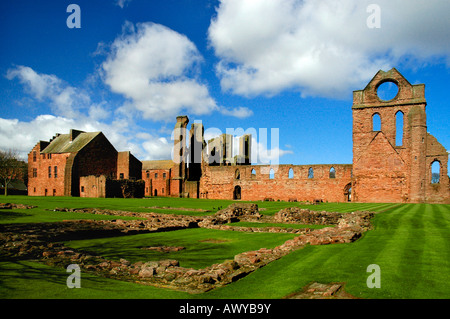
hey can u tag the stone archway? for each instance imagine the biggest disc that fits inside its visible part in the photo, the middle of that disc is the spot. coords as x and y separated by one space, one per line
348 192
237 192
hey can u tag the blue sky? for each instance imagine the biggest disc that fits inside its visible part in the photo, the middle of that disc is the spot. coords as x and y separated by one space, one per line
289 65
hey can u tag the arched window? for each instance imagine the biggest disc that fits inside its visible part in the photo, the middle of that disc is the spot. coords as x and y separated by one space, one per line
310 173
399 128
253 173
291 173
332 173
376 122
271 174
238 174
435 172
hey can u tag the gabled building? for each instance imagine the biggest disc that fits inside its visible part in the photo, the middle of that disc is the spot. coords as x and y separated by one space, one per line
76 164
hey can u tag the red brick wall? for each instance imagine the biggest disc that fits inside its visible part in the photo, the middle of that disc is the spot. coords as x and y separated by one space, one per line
219 182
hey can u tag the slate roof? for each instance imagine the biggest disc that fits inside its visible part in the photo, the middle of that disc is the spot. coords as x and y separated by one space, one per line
163 164
62 143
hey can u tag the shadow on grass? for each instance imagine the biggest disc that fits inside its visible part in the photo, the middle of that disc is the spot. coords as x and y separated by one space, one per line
6 215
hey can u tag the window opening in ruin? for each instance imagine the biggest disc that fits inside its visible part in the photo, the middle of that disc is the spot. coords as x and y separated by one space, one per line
387 91
82 189
253 173
34 156
332 173
237 192
310 173
271 174
291 173
49 172
164 175
376 122
55 172
121 176
399 128
435 172
238 174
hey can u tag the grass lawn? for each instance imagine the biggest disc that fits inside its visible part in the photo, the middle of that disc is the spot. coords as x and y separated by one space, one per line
410 243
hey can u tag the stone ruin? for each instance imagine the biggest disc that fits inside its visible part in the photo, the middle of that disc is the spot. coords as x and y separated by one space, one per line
42 242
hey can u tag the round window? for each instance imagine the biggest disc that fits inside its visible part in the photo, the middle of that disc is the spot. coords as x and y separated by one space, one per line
387 91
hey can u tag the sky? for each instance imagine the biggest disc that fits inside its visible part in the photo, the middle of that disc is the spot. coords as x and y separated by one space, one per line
283 70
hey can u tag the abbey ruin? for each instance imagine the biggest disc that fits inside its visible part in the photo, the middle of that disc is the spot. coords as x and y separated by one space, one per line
385 168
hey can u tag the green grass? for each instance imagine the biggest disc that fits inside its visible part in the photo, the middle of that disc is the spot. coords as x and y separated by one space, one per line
265 225
410 243
203 247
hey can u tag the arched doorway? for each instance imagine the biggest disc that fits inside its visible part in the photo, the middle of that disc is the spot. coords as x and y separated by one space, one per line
237 192
348 192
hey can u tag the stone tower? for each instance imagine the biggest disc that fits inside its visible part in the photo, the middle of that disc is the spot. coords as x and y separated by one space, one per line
180 155
392 161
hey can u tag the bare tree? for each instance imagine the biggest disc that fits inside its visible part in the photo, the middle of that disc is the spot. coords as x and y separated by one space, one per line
11 168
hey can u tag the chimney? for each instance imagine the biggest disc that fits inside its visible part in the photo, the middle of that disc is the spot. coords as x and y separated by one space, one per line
74 134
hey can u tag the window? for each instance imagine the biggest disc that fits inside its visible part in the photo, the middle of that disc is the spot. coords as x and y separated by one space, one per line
82 189
164 176
49 172
156 175
237 174
291 173
376 122
310 173
148 175
121 175
55 171
435 172
49 156
162 191
399 128
34 156
332 173
34 172
271 174
253 173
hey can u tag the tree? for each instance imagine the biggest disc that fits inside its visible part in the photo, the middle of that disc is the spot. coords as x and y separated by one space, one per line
11 168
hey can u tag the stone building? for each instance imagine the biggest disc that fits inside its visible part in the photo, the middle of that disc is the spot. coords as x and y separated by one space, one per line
78 164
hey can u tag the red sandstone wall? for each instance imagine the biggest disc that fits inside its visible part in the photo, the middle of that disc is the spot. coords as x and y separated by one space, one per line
219 182
43 185
155 181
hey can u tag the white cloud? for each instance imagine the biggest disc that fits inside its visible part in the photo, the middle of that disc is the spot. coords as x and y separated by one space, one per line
122 3
156 69
239 112
322 47
65 100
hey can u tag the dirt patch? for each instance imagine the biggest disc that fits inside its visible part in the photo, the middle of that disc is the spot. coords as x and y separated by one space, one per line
318 290
214 241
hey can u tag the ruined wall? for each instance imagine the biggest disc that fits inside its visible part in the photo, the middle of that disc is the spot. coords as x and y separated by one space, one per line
223 182
390 168
93 186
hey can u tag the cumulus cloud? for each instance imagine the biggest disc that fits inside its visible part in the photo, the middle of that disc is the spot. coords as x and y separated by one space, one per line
64 99
156 69
322 47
